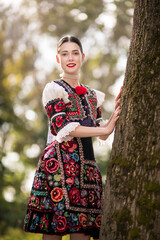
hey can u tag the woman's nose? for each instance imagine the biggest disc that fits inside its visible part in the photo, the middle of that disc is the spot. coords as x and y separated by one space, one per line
70 56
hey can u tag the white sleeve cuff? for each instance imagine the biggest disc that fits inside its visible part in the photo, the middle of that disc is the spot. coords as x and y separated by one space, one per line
103 122
63 134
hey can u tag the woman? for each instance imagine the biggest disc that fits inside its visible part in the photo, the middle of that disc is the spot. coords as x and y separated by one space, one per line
66 196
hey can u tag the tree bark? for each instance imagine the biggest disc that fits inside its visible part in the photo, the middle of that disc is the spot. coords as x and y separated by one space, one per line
132 193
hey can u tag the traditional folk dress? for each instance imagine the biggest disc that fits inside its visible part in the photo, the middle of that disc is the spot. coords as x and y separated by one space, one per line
66 195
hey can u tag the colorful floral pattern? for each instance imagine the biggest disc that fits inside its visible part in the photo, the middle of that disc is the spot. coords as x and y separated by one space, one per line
66 195
56 112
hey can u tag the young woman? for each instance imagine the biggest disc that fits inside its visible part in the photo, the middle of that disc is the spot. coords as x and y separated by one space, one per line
66 196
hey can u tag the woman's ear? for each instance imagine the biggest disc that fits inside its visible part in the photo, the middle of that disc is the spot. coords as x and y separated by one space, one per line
83 57
57 58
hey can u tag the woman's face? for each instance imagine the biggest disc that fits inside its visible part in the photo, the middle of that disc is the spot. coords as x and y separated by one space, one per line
70 57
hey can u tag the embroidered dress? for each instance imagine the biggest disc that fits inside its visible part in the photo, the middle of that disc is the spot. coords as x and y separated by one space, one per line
66 195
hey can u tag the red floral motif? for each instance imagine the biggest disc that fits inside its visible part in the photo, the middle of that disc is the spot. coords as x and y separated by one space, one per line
59 121
74 195
80 90
59 106
100 111
84 202
49 110
69 146
83 219
98 177
33 201
52 165
53 128
98 221
61 223
92 198
44 222
70 181
91 174
35 184
57 194
72 168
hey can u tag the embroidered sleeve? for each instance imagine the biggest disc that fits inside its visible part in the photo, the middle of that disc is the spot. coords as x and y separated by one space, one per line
99 121
60 124
55 100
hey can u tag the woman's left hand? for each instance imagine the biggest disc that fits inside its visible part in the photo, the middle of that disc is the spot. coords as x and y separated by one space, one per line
118 98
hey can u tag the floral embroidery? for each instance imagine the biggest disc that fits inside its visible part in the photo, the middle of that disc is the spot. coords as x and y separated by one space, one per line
49 111
75 157
59 106
66 157
66 194
71 168
52 165
91 173
61 223
59 121
69 146
98 220
70 181
44 223
57 194
83 219
33 201
74 195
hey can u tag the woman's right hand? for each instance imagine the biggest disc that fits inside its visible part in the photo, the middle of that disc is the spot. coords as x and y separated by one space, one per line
112 121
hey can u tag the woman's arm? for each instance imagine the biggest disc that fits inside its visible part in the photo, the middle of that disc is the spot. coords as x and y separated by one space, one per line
103 132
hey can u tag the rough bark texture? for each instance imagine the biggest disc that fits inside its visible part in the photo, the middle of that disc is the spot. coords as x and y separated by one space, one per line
132 193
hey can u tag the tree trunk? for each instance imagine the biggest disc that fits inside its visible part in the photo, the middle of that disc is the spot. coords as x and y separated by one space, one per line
132 193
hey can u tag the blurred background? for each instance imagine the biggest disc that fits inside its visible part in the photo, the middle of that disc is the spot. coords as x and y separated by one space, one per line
29 31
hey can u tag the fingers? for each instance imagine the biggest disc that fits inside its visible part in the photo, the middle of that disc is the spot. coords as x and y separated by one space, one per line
119 94
117 103
118 98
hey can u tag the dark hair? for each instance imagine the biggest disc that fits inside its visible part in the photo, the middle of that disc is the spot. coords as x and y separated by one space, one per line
69 39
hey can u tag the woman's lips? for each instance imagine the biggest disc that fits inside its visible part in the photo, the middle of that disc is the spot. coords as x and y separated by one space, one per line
70 65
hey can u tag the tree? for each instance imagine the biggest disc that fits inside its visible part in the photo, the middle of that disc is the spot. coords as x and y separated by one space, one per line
132 193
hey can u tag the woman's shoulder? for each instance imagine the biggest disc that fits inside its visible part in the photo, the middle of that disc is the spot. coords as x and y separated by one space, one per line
51 91
99 95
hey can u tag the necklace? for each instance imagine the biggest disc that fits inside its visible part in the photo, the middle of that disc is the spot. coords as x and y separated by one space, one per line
71 76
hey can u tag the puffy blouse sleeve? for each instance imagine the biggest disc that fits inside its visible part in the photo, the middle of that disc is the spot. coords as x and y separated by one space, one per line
100 100
55 101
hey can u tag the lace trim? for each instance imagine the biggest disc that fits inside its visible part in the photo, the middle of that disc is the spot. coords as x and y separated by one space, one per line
50 136
103 122
63 134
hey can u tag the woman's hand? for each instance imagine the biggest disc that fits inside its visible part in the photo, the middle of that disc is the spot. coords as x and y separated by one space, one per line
110 125
118 98
112 122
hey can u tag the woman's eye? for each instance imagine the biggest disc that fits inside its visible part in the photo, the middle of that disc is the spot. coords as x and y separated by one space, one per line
76 53
64 54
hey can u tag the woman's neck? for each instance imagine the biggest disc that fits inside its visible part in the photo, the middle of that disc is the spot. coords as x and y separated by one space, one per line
72 80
